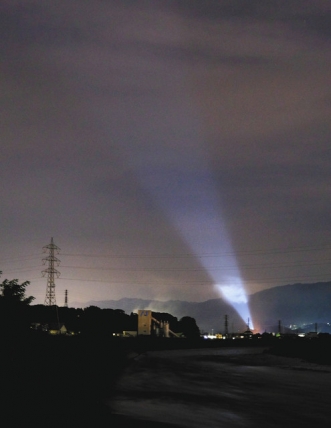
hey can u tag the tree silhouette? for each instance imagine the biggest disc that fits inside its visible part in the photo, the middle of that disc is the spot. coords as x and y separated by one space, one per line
13 306
12 292
189 328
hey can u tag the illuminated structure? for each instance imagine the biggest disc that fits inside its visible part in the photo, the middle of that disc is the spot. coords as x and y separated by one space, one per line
148 325
51 272
144 323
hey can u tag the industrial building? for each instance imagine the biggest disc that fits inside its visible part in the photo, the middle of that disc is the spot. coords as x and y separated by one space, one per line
149 326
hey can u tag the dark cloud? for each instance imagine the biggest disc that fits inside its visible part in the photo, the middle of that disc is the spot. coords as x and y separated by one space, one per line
127 126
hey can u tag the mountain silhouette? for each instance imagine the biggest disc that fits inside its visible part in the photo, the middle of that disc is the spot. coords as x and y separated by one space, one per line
293 304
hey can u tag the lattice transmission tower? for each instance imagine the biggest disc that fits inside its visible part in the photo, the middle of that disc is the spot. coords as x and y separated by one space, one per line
226 326
51 272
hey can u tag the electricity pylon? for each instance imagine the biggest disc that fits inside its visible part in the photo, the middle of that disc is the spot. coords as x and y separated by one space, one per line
226 329
51 272
248 328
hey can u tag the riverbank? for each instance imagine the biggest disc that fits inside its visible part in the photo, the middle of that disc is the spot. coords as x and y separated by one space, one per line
226 386
68 381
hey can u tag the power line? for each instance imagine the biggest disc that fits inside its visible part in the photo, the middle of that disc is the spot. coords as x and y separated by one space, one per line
193 269
202 282
260 280
171 270
181 269
27 269
201 269
192 255
19 259
285 250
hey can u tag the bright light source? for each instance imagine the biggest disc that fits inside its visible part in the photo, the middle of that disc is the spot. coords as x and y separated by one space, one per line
189 196
234 292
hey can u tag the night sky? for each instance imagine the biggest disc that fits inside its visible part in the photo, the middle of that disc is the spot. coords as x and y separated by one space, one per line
171 148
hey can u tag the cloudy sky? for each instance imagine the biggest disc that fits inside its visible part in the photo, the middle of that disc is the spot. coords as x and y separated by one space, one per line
172 149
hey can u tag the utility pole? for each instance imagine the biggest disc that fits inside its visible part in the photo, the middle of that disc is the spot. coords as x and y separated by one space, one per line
51 272
226 326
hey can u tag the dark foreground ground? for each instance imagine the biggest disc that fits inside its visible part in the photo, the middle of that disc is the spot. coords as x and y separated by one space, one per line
60 381
67 381
232 387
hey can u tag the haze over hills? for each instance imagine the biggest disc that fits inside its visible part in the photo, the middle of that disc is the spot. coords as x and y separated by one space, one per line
209 315
294 304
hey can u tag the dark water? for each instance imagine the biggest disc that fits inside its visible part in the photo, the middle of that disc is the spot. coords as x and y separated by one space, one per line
224 388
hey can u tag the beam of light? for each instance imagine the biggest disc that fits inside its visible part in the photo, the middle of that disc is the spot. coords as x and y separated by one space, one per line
183 186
